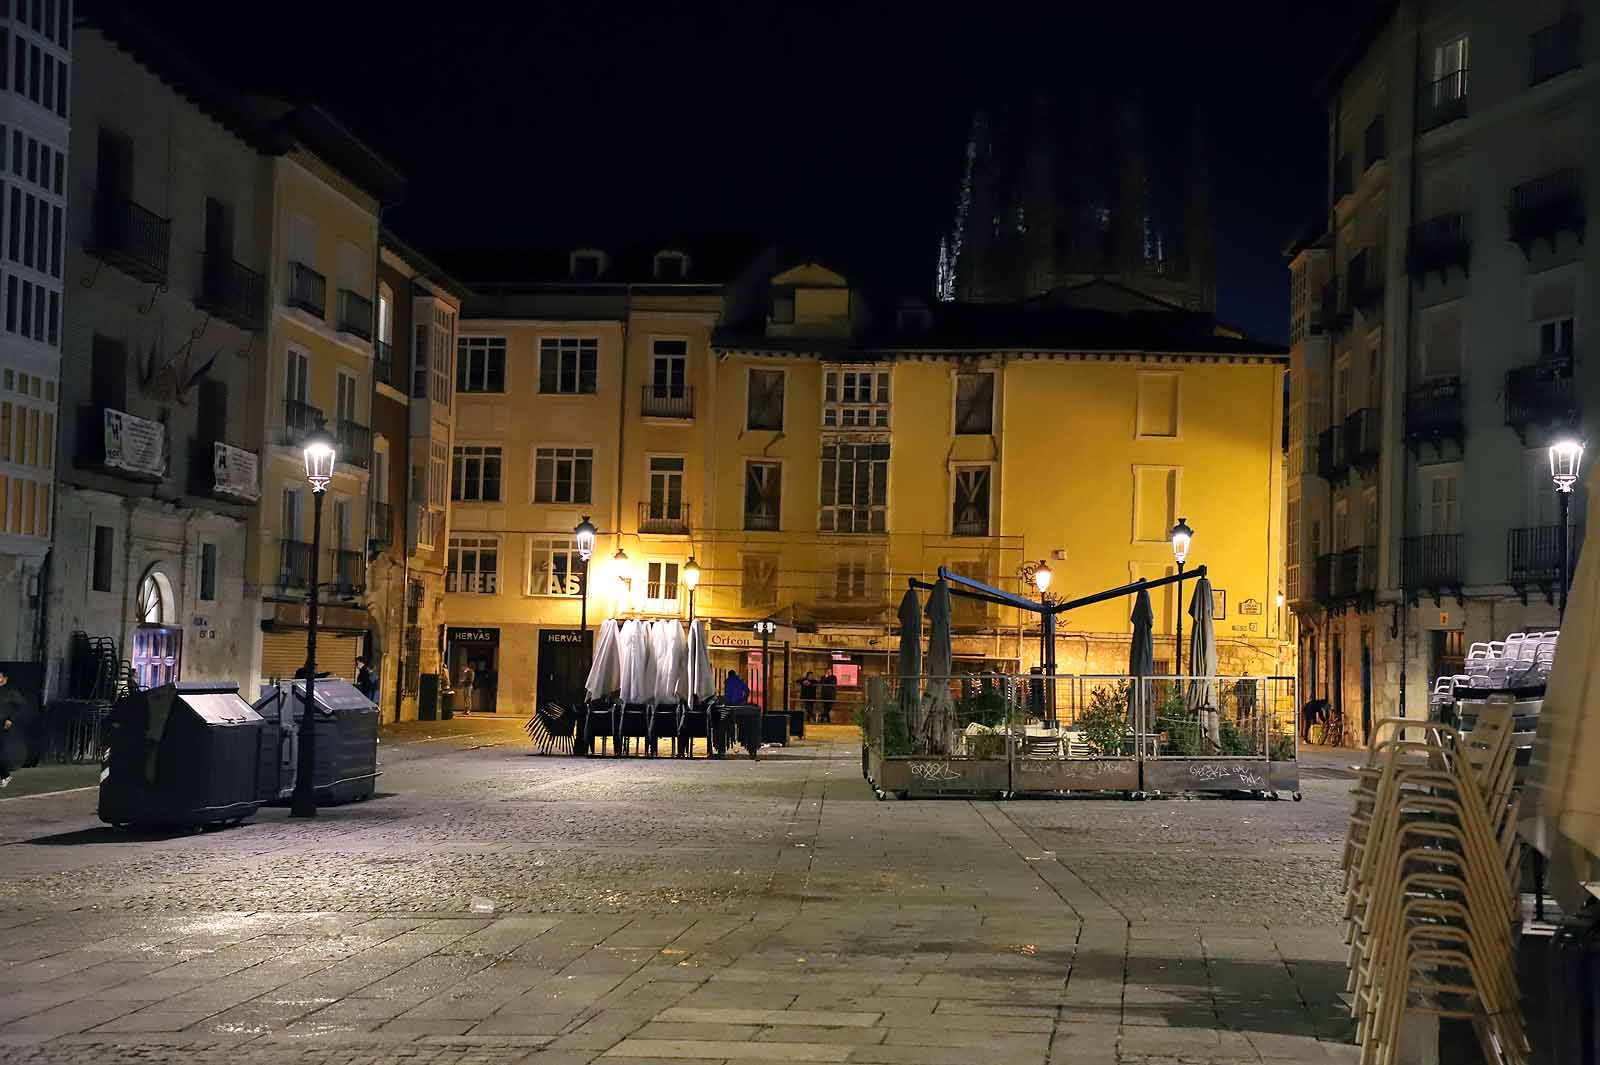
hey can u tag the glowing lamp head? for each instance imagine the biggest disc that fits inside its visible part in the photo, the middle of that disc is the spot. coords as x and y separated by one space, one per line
1041 577
691 574
1566 460
765 627
1181 537
320 452
584 534
1280 600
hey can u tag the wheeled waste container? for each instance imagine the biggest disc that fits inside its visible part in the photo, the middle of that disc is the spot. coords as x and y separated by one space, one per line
346 748
181 754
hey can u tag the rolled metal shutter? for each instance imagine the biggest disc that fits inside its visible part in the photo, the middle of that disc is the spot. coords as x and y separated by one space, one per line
283 653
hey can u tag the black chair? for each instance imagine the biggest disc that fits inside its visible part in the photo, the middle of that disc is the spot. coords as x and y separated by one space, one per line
633 722
663 722
601 719
696 722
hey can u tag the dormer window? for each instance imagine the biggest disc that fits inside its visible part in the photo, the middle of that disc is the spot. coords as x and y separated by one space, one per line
783 308
587 264
671 266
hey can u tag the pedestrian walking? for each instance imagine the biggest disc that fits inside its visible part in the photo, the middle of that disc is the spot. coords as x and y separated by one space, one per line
467 682
16 724
366 680
808 695
829 691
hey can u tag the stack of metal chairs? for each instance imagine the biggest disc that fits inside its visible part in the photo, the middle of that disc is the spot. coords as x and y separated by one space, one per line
1429 864
1521 660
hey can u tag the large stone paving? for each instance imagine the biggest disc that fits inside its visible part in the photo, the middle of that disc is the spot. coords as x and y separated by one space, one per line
676 911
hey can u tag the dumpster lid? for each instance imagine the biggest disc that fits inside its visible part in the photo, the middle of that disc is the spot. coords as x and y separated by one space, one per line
219 708
334 694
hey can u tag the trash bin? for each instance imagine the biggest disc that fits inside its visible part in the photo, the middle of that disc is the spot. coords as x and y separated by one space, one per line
184 754
428 697
447 703
346 754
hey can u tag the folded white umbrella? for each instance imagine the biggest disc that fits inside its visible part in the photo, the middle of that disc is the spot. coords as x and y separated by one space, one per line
647 655
604 674
702 682
680 662
665 687
633 662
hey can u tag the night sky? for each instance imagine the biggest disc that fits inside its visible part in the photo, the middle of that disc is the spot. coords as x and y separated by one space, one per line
546 125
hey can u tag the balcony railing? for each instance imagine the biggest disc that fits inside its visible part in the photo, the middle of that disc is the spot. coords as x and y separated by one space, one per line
1322 579
231 291
382 531
1331 461
667 401
355 443
1431 562
134 240
1444 100
1533 555
1366 280
970 526
1362 440
1555 49
763 520
383 363
1437 244
1434 412
350 571
659 516
1356 573
294 568
1542 208
299 419
1542 394
355 314
308 289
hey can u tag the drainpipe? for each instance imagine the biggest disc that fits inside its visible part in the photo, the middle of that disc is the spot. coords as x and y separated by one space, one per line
1403 366
622 412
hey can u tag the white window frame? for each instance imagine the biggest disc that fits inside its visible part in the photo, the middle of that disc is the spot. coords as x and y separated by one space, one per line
557 458
955 487
783 412
683 266
657 356
874 414
1427 475
347 383
560 346
1177 499
955 400
832 511
479 350
546 548
668 513
461 452
662 574
477 543
744 510
294 355
1430 370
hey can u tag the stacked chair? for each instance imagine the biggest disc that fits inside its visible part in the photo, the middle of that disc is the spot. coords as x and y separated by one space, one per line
1430 865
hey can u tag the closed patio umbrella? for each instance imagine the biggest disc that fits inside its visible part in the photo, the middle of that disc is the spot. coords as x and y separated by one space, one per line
632 662
604 674
1141 658
1202 695
910 664
702 681
938 708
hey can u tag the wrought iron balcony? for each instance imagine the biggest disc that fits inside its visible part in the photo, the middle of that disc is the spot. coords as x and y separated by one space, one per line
667 401
1362 440
350 571
1438 243
381 534
1533 556
1556 48
1322 579
1365 281
1331 462
1356 573
1444 100
308 289
1542 395
1434 412
355 314
134 240
1431 562
383 363
299 419
1542 208
233 292
663 517
762 520
355 443
294 567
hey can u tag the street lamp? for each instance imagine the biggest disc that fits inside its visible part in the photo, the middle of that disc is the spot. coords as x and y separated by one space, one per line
691 580
1041 578
1566 458
1181 536
764 629
584 534
320 452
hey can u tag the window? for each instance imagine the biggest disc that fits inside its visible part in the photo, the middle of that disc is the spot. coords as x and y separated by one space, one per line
1442 342
208 573
289 516
108 382
1341 525
851 580
553 566
1450 71
974 404
763 495
764 399
758 587
667 368
783 308
297 375
563 475
475 474
1552 307
1155 503
345 399
666 489
341 524
385 317
1158 405
1442 504
481 364
855 399
567 365
971 517
661 582
380 471
104 541
438 456
855 487
473 566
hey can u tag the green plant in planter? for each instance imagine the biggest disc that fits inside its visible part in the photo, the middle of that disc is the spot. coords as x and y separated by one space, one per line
895 738
1282 748
1234 742
1181 725
1105 722
986 745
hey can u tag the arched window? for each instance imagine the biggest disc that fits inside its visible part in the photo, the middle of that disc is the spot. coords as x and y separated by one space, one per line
155 599
157 642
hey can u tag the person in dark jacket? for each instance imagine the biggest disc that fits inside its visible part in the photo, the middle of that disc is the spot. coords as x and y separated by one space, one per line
830 691
16 723
366 680
808 696
735 692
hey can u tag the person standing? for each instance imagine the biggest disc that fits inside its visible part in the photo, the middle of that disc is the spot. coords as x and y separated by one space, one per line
808 695
830 691
16 723
366 680
468 681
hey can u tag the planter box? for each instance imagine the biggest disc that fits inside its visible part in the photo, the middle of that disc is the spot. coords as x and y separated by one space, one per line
1031 775
1220 774
914 775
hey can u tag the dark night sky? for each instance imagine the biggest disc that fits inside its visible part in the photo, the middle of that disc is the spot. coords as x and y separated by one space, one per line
543 125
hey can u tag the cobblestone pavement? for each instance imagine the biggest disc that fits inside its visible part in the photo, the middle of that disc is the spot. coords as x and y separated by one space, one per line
675 910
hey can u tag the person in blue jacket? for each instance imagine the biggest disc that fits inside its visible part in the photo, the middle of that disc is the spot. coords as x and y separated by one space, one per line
735 692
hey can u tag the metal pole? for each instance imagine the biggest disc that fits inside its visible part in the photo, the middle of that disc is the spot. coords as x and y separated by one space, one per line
691 606
583 609
1047 628
1177 646
766 672
1566 551
304 801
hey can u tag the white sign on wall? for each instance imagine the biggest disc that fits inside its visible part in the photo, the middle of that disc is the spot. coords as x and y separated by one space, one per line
235 473
136 445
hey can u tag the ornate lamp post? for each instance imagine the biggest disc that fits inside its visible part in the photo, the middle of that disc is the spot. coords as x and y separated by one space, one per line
584 534
320 453
1181 536
691 580
764 629
1566 459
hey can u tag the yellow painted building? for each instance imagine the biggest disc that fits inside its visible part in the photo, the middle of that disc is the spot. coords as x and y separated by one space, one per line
326 192
814 452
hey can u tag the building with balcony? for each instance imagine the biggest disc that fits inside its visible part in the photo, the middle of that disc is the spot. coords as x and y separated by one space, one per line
417 310
834 449
1457 356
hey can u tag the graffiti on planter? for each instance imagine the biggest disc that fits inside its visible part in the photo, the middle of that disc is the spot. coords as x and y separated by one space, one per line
933 772
1214 773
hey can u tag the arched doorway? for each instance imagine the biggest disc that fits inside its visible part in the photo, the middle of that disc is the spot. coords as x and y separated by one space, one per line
158 640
